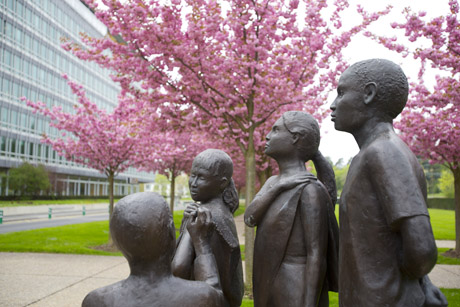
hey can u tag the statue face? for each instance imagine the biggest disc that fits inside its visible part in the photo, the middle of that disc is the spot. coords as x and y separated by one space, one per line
279 141
203 184
349 112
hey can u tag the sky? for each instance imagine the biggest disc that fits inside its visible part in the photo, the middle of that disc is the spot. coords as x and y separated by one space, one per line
336 144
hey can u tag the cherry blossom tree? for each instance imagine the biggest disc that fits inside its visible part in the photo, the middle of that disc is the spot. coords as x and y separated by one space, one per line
100 140
430 124
229 65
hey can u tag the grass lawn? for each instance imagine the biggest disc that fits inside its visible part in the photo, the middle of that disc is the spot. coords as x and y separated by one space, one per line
442 222
452 295
446 260
69 239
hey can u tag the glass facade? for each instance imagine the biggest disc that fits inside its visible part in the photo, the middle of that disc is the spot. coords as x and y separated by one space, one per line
32 63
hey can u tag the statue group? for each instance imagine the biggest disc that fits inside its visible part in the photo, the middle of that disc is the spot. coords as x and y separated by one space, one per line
386 247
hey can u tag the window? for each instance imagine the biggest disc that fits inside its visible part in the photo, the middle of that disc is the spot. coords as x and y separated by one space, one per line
4 115
3 145
13 146
6 86
22 147
9 30
14 117
19 8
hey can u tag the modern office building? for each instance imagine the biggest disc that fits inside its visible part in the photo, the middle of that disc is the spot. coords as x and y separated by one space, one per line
31 64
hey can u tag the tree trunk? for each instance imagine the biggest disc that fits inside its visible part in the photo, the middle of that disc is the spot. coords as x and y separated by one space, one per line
456 172
111 180
249 235
173 191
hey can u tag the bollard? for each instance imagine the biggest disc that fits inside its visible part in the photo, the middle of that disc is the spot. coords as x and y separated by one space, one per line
50 212
1 216
84 210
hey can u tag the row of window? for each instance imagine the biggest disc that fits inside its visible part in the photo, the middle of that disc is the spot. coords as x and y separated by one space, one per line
26 12
42 153
25 122
21 149
55 59
13 90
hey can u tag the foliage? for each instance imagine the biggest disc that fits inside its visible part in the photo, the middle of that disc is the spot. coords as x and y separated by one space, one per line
28 180
446 183
432 175
100 140
430 122
340 176
103 141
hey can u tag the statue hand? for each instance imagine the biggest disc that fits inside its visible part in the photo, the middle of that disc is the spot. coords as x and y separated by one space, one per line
293 181
191 210
201 227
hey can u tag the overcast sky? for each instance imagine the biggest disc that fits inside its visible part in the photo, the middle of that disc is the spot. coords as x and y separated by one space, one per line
335 144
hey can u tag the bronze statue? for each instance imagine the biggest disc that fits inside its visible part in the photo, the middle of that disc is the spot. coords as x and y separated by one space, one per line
142 228
386 241
211 185
295 252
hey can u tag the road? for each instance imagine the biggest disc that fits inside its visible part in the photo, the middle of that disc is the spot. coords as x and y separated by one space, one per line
36 217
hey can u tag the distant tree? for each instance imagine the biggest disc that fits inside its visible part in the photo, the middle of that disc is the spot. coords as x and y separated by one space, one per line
102 140
28 180
446 183
341 172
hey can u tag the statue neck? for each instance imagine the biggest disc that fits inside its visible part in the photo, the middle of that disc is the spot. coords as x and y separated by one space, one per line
370 131
149 271
291 166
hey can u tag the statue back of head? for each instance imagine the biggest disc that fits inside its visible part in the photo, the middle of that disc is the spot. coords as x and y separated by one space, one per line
142 227
392 85
306 128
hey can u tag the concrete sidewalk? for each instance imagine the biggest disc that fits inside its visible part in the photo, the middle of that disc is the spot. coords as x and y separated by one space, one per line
47 280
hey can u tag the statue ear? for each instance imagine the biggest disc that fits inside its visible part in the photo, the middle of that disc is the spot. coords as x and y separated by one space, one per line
295 138
370 91
223 183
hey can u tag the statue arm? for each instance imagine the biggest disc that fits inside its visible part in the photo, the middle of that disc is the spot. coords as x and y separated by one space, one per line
402 194
419 252
183 258
259 205
270 190
205 265
315 225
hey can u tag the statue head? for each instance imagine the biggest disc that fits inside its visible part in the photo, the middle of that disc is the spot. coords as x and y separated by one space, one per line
295 131
383 83
211 177
142 227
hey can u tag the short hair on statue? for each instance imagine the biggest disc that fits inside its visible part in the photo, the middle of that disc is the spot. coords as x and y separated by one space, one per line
392 85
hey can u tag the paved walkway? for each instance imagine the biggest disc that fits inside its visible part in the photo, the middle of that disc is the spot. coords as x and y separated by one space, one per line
34 279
